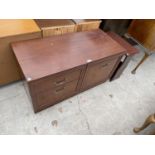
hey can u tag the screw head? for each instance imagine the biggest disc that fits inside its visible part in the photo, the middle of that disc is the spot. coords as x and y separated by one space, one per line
29 79
89 60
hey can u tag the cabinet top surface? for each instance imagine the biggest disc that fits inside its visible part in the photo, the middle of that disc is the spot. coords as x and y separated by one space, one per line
42 57
81 21
130 49
42 23
10 27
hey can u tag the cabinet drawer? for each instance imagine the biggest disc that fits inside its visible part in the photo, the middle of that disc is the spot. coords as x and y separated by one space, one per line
55 81
59 93
50 31
98 72
88 26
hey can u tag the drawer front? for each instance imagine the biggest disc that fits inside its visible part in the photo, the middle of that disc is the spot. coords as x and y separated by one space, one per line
58 30
99 72
68 29
55 81
51 31
54 95
88 26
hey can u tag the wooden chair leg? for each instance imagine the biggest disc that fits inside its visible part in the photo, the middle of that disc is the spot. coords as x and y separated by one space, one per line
142 60
148 121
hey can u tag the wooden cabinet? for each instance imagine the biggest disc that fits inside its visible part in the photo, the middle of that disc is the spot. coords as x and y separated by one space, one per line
59 67
12 31
87 24
54 95
99 72
55 81
51 27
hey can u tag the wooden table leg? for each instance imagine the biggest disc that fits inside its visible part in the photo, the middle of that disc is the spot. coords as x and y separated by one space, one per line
148 121
142 60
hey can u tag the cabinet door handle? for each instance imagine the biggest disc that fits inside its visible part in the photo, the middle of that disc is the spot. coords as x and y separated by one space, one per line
60 82
59 90
104 65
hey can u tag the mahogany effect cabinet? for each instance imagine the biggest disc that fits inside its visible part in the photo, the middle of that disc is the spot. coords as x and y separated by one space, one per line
12 30
126 58
59 67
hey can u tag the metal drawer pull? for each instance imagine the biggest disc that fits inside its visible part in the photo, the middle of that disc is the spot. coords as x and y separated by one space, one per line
60 82
59 90
104 65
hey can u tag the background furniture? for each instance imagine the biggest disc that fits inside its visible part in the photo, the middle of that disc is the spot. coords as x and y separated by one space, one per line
86 24
51 27
143 32
119 26
58 67
11 31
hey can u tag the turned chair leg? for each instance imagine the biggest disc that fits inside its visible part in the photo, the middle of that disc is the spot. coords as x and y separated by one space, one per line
148 121
142 60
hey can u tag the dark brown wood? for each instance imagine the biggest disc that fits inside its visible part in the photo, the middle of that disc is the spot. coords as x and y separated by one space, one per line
60 79
42 57
126 58
131 50
98 72
58 67
120 68
53 100
51 96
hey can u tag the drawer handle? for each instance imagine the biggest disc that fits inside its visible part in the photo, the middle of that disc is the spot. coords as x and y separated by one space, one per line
104 65
60 82
59 90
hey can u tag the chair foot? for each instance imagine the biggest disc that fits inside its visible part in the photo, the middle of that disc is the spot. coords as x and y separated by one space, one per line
136 130
133 71
141 61
148 121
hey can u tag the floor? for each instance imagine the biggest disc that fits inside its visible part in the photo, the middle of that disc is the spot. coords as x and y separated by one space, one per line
113 108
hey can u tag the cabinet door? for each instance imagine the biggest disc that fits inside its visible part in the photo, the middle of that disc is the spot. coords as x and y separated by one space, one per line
98 72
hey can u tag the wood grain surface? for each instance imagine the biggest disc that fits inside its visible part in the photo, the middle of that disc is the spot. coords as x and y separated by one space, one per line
143 30
11 31
11 27
43 57
52 27
86 24
84 21
42 23
130 49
